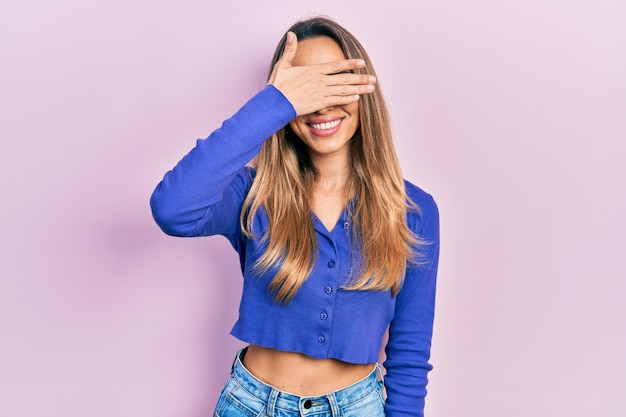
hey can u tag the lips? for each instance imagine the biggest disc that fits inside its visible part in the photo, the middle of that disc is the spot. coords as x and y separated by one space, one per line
324 128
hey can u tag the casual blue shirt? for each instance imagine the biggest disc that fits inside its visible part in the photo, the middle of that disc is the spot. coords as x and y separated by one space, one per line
203 195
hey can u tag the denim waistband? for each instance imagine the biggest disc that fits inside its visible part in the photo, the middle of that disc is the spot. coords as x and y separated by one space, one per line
277 398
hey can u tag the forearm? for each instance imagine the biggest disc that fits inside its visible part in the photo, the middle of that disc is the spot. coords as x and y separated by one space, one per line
199 180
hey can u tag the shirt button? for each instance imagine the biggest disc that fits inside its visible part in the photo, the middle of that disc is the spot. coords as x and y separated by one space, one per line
331 264
323 316
346 225
321 339
328 290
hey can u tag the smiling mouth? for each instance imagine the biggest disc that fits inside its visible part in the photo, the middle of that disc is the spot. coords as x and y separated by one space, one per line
325 125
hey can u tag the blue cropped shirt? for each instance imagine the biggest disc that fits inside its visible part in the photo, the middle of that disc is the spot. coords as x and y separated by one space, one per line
203 195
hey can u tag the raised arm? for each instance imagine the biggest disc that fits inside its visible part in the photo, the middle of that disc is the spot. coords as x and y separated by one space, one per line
185 202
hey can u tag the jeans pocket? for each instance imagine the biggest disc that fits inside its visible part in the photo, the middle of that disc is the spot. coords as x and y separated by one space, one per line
371 405
223 398
238 402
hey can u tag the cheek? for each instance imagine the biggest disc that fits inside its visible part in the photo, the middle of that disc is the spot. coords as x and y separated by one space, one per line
353 110
298 126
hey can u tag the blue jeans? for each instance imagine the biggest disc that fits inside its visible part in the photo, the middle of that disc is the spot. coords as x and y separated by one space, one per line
246 396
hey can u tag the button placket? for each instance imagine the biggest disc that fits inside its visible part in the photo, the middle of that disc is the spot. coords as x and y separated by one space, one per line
330 265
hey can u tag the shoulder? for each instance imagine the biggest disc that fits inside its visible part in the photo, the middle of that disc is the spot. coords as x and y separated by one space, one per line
418 195
246 175
240 184
426 210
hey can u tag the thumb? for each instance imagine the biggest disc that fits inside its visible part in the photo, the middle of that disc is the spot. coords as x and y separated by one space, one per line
291 46
289 52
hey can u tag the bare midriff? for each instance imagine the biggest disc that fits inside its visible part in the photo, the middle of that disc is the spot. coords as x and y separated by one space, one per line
300 374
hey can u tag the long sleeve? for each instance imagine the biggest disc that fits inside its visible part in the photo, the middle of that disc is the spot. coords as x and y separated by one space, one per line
410 332
202 194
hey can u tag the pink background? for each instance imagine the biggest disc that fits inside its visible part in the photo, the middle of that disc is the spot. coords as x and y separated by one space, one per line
512 113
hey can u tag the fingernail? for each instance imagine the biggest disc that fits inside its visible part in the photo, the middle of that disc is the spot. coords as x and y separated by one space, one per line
360 63
372 79
369 88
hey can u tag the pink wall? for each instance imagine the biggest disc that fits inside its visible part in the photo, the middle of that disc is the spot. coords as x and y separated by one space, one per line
513 114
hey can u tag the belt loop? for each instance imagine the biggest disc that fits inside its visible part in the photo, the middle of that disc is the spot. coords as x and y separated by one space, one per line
271 402
380 371
232 367
240 354
334 407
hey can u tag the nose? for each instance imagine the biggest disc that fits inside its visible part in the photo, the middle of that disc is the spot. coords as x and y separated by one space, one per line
325 110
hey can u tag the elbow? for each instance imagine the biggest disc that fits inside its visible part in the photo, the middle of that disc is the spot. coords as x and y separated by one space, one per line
168 217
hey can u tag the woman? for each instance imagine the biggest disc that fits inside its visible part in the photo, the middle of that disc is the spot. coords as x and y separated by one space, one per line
335 246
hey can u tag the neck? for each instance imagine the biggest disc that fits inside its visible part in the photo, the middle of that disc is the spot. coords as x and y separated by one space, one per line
334 172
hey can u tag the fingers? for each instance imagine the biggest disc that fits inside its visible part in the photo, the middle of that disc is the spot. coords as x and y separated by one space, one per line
347 87
344 94
341 83
310 88
349 90
333 90
351 79
341 66
340 100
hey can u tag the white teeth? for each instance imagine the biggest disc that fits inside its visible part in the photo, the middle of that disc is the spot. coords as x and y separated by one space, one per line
326 125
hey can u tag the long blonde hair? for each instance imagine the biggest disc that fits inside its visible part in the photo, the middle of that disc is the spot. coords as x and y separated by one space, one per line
285 178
